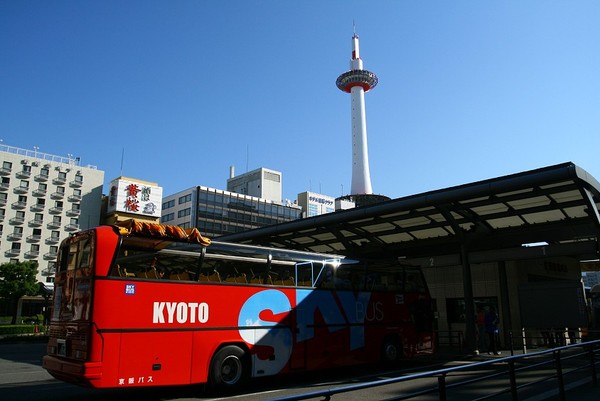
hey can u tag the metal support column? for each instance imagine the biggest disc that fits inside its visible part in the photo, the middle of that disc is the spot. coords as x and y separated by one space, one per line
470 328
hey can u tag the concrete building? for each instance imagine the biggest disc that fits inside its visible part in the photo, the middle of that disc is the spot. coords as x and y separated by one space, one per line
216 212
260 183
43 199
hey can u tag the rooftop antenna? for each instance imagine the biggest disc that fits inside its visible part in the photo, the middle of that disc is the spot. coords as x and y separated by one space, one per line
247 156
122 156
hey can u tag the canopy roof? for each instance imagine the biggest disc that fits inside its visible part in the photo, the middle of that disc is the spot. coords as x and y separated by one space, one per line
556 205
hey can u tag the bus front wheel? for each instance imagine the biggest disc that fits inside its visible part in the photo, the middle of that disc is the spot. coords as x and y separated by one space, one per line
227 369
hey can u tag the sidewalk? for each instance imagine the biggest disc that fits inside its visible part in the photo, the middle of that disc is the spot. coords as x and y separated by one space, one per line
576 389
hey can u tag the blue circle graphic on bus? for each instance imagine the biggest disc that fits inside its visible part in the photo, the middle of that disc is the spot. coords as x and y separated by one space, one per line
267 333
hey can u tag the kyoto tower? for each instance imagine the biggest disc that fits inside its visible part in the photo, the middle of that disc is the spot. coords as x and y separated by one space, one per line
357 81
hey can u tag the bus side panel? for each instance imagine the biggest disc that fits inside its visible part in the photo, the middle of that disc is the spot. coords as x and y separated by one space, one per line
157 358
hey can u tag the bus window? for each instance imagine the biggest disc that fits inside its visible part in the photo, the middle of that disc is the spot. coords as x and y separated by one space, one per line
307 272
349 278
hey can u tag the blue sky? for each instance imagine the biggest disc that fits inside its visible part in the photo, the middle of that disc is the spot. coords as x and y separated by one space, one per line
468 90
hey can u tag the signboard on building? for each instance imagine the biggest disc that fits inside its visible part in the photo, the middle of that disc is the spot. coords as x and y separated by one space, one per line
135 197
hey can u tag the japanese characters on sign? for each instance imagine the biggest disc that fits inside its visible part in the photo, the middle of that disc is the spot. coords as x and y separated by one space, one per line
135 197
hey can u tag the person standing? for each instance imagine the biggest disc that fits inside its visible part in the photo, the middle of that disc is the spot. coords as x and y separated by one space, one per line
491 328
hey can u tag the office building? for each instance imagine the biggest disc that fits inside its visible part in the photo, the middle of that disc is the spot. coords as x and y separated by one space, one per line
216 212
315 204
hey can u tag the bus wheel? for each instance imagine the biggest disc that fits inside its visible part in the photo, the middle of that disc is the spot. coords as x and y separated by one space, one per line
227 368
391 350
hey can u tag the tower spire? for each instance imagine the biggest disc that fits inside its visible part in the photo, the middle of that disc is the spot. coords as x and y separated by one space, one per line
357 81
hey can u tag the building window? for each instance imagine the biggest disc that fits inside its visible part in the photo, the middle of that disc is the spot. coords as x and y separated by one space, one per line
168 217
185 199
7 165
45 172
168 204
184 212
78 178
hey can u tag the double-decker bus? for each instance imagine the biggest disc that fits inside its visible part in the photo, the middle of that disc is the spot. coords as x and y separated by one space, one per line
146 304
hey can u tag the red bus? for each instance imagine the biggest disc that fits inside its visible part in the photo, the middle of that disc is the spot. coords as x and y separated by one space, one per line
156 305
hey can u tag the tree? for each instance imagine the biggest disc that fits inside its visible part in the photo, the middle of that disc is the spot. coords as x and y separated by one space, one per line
16 280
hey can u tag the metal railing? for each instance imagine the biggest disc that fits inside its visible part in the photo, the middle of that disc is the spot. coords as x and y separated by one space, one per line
497 376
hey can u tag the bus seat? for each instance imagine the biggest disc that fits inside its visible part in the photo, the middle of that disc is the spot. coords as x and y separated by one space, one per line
256 280
288 282
184 276
142 274
128 274
212 277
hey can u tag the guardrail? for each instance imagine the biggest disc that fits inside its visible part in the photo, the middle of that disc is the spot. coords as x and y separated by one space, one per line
498 376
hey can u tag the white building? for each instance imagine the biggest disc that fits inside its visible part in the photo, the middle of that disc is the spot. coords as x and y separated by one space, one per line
315 204
130 198
261 183
43 199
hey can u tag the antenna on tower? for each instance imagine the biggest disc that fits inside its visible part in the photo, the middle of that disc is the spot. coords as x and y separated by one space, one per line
354 27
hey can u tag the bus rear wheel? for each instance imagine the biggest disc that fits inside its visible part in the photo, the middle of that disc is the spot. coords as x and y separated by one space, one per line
227 368
391 351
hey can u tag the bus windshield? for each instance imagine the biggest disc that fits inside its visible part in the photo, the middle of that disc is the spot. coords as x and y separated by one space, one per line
73 279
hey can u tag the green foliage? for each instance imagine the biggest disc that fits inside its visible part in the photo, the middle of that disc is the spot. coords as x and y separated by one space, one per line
18 329
18 279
